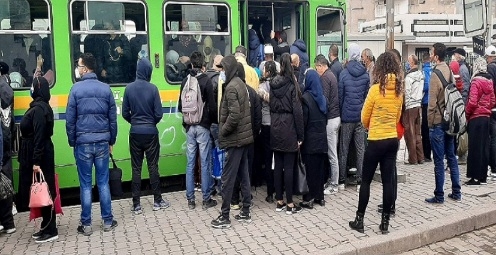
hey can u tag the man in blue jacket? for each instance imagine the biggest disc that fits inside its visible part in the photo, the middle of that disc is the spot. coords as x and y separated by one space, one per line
353 87
426 142
91 126
143 109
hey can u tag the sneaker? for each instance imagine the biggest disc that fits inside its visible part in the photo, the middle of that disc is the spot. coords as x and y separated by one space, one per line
161 205
280 207
214 193
191 204
269 199
358 188
137 209
331 191
37 235
107 228
328 184
493 176
434 200
45 238
341 186
84 230
209 203
428 160
243 217
306 205
483 182
1 228
198 187
456 198
14 209
221 222
235 206
293 210
10 231
472 182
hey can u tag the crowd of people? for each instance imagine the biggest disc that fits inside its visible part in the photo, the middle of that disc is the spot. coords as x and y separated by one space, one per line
265 122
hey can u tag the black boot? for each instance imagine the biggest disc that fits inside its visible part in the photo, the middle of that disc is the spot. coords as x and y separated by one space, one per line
357 224
384 223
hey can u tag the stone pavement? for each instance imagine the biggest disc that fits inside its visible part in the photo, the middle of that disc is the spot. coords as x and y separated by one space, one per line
324 230
482 242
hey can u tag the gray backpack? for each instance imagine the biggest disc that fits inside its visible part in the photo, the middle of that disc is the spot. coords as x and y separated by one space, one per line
192 102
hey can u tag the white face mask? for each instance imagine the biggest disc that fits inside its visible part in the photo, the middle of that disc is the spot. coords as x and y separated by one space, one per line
77 74
222 75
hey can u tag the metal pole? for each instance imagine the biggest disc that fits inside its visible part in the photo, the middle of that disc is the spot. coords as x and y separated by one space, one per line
389 24
273 16
489 22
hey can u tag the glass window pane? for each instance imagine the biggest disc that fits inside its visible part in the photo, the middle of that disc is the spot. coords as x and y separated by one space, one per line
189 28
115 33
26 26
329 24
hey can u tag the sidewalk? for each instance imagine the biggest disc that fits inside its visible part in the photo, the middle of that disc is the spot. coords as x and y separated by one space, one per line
323 230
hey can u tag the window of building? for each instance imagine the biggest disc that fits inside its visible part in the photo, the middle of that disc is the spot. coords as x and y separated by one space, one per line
25 39
329 30
114 32
205 28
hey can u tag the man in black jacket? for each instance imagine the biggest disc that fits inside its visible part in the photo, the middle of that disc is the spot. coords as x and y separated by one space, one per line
198 136
281 46
143 109
235 136
335 65
491 69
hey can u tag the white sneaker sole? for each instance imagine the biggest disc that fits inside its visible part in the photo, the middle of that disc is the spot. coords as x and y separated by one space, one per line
51 239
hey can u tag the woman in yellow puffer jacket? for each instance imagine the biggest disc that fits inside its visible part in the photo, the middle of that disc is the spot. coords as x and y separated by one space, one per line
380 115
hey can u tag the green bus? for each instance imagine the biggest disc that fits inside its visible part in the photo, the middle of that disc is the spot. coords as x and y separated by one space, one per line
117 31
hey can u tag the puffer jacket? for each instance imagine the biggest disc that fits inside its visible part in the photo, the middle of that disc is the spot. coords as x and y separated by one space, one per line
381 112
300 48
427 78
91 115
235 119
286 115
481 97
254 43
437 103
353 86
414 83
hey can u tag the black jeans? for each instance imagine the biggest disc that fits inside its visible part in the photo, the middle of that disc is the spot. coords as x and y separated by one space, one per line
267 157
237 184
284 162
315 166
141 145
236 165
492 134
426 141
383 152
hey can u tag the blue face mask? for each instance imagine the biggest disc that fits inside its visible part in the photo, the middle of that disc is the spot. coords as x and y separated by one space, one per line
222 76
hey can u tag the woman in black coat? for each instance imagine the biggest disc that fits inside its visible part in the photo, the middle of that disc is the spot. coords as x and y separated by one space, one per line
314 148
36 154
286 131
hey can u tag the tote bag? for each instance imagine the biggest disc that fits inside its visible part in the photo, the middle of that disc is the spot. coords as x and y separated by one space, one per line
300 185
40 194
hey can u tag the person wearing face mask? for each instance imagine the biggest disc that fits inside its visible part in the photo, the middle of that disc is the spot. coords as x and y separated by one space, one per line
208 51
176 66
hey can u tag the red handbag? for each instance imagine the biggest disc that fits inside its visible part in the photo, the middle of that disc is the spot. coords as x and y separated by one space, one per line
40 194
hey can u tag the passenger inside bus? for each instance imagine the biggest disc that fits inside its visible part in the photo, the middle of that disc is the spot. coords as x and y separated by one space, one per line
184 44
208 51
117 56
176 69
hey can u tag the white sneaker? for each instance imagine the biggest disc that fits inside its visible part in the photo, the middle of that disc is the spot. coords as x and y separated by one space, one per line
341 187
14 210
331 191
358 188
1 227
493 175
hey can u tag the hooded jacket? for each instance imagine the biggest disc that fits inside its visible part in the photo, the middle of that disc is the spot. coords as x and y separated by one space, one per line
314 106
481 97
414 84
91 115
427 78
330 87
286 115
235 121
381 112
254 49
300 48
142 106
353 86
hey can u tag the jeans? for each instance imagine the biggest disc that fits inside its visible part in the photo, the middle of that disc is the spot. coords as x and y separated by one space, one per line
492 146
236 166
442 144
357 132
198 137
332 145
139 146
86 156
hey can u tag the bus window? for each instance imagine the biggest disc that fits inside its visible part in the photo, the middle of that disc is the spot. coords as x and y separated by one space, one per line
194 27
114 32
25 34
329 30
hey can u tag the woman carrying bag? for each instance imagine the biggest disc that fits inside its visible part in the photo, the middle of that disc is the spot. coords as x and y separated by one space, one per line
36 154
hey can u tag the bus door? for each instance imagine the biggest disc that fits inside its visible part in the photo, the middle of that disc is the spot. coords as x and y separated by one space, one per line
330 30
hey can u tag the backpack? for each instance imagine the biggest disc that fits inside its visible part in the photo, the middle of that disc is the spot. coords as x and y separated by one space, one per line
16 80
192 102
454 121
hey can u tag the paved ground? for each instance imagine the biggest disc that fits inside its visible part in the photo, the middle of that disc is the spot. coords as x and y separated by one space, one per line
478 242
323 230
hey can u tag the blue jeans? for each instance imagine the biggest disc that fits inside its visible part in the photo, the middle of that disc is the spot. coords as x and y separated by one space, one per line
443 144
198 137
86 155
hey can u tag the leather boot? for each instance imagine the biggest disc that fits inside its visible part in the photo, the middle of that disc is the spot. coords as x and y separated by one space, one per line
384 226
357 224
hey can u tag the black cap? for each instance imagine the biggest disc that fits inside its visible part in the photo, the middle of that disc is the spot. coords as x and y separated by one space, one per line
240 49
4 68
460 51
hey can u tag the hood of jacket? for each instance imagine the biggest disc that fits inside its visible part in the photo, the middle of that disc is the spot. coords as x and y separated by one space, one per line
355 68
486 90
314 87
230 66
300 44
144 70
172 57
416 74
41 89
278 85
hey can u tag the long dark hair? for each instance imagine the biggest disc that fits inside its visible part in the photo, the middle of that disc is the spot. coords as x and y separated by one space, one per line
287 71
386 64
271 68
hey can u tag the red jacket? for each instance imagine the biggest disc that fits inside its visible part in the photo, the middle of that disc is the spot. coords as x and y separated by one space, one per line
481 97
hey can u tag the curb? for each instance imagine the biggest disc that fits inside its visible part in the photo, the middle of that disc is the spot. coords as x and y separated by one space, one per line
408 239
